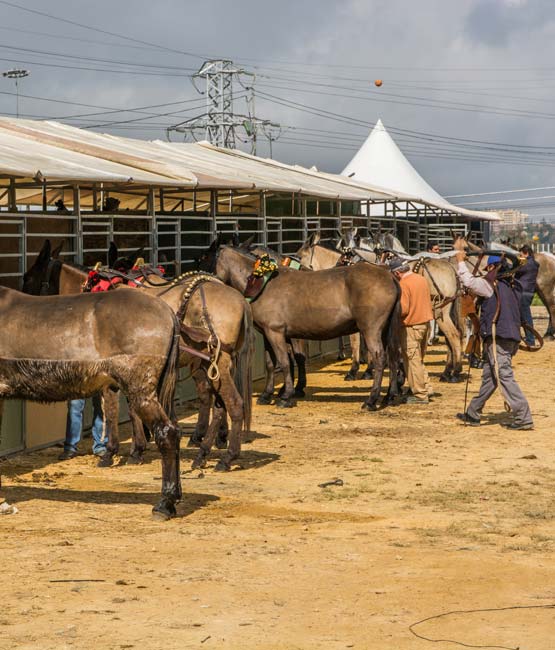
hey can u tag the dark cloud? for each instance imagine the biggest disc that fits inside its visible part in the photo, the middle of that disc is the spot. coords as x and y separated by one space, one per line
433 56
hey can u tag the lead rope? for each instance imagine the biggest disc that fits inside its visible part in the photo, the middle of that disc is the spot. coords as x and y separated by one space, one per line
214 344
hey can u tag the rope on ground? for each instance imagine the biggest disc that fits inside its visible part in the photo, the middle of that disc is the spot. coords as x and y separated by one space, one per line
473 611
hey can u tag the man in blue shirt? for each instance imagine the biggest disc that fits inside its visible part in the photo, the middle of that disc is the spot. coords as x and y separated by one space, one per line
505 314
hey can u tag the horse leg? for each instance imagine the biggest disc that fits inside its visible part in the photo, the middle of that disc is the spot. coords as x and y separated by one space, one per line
341 356
355 355
204 396
376 351
167 437
265 396
232 403
279 346
110 404
453 367
299 352
138 440
369 372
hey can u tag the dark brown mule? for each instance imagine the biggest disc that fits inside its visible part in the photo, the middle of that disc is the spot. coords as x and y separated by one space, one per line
298 347
320 305
211 305
55 348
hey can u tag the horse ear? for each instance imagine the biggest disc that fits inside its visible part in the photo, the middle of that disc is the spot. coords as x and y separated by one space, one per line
112 254
44 255
56 252
247 243
136 255
314 238
234 241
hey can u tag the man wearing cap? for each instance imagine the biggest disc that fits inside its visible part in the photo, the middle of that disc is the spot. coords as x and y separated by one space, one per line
416 312
505 316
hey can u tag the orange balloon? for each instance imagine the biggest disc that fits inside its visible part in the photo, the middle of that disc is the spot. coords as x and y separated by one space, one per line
378 82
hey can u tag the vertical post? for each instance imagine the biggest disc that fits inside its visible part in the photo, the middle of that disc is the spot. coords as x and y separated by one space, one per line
304 214
262 196
78 226
162 209
12 196
44 197
152 238
338 217
214 212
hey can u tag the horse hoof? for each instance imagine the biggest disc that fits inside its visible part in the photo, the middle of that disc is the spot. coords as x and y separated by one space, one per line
194 441
199 462
368 375
106 460
350 376
135 459
221 443
264 399
548 337
367 406
341 356
285 403
299 392
164 510
455 379
222 466
445 379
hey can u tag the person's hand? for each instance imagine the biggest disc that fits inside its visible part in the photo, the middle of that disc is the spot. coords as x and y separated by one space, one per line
460 255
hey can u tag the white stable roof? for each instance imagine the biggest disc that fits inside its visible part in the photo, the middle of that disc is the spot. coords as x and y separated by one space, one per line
381 163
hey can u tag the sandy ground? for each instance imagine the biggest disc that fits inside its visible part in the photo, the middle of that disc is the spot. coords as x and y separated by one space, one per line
432 517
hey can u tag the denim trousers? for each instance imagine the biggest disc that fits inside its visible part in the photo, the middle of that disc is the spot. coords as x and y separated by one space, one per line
74 426
526 315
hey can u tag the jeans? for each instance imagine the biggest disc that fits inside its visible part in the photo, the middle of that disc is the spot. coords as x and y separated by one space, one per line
526 315
74 426
506 350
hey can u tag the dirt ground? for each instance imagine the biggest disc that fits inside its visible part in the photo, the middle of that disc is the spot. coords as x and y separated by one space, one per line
432 518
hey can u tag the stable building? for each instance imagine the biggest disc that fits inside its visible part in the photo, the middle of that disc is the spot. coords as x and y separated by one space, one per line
87 189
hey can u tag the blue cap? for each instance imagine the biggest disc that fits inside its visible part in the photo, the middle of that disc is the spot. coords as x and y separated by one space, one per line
494 259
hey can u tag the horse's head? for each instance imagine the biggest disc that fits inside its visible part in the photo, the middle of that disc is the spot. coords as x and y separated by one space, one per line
43 278
124 263
209 258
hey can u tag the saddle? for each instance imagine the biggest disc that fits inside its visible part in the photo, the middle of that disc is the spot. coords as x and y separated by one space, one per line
264 269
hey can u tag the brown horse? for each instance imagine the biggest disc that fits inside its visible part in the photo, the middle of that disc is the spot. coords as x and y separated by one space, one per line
212 308
319 305
55 348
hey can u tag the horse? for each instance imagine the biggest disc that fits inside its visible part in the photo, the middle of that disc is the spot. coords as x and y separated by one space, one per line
56 348
320 305
317 257
211 311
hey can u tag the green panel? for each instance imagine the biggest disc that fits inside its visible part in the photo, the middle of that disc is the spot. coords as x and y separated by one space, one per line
11 437
330 347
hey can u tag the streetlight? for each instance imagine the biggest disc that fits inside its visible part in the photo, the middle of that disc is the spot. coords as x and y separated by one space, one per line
16 74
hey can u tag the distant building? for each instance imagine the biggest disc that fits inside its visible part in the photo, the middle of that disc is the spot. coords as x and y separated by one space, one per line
511 220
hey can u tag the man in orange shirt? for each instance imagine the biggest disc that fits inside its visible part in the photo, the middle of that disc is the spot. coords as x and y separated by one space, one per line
416 312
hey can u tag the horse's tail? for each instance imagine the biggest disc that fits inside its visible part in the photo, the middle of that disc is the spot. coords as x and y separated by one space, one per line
391 336
168 378
243 371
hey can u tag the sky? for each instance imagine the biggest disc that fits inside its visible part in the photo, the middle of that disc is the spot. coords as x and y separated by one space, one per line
468 86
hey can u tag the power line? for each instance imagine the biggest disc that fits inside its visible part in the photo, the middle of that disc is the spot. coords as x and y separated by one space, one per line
530 189
95 59
101 31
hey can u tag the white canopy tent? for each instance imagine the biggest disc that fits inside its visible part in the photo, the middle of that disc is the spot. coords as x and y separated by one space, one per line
381 163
